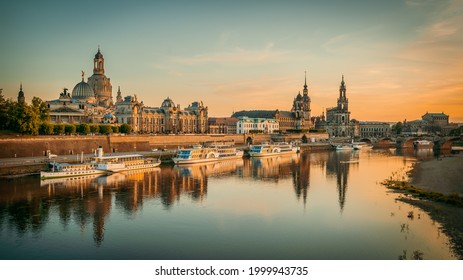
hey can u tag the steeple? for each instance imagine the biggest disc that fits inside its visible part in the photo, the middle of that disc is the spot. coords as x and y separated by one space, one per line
305 81
21 97
119 94
342 89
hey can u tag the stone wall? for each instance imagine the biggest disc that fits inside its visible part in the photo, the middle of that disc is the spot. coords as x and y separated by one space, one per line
27 146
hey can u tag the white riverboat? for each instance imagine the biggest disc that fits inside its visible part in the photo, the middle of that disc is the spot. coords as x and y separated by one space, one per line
120 163
99 165
63 170
211 153
264 150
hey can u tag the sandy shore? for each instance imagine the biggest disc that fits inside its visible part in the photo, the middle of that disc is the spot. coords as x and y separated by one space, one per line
443 175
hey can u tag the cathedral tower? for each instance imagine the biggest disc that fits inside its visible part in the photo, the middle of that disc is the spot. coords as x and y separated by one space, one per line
343 104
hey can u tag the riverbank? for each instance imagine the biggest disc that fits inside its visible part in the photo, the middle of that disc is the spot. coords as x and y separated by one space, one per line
438 185
443 175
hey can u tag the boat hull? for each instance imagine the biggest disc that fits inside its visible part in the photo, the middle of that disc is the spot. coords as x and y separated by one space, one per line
257 155
180 161
114 168
44 175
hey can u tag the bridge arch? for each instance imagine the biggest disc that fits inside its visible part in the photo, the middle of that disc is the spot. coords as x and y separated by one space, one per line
366 140
447 144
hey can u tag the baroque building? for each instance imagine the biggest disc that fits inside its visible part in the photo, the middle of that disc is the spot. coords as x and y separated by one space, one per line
80 107
92 102
168 118
338 123
297 119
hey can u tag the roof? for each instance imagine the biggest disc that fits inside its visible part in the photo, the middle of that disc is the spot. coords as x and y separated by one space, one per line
266 114
436 114
65 109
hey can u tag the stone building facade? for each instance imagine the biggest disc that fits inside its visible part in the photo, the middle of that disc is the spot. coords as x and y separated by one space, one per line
375 129
222 125
338 122
168 118
92 102
257 125
296 119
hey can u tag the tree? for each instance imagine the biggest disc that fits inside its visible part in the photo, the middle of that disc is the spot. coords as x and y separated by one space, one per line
457 131
46 128
94 128
397 128
115 129
105 128
59 129
41 109
69 129
5 118
125 128
83 128
24 119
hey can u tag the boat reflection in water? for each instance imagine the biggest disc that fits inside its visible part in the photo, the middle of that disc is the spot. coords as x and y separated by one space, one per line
187 211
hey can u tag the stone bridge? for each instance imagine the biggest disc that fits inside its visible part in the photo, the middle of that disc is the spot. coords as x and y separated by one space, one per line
405 142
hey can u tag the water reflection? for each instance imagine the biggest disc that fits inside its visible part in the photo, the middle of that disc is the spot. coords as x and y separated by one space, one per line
89 200
28 205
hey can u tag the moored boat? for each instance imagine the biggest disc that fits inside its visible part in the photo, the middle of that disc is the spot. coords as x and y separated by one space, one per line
264 150
211 153
63 170
119 163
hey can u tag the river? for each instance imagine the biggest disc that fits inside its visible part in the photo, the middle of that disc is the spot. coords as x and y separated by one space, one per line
321 205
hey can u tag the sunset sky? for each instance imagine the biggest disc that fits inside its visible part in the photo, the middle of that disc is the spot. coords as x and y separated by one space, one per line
400 59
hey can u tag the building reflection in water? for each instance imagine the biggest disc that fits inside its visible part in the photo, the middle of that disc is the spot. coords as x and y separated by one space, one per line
88 201
338 165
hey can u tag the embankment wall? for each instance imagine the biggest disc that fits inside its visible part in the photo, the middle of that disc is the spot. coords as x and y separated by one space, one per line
27 146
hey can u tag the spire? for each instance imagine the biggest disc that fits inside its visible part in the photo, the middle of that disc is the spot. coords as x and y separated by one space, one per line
305 81
21 97
342 82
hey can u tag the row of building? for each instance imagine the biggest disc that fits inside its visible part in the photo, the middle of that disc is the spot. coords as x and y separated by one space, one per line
92 102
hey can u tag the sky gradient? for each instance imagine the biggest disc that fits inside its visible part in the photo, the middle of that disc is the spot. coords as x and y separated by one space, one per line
400 59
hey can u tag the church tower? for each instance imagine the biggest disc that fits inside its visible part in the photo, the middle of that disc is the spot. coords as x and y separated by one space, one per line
101 84
343 105
301 108
306 100
21 97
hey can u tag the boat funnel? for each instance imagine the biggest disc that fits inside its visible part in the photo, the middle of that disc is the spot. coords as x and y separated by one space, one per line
99 152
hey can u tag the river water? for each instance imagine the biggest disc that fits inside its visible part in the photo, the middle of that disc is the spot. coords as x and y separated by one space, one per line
322 205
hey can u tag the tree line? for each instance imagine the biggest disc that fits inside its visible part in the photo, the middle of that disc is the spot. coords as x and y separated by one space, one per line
34 119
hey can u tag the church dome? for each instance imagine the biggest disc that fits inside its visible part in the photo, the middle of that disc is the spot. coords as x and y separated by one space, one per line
82 91
168 103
